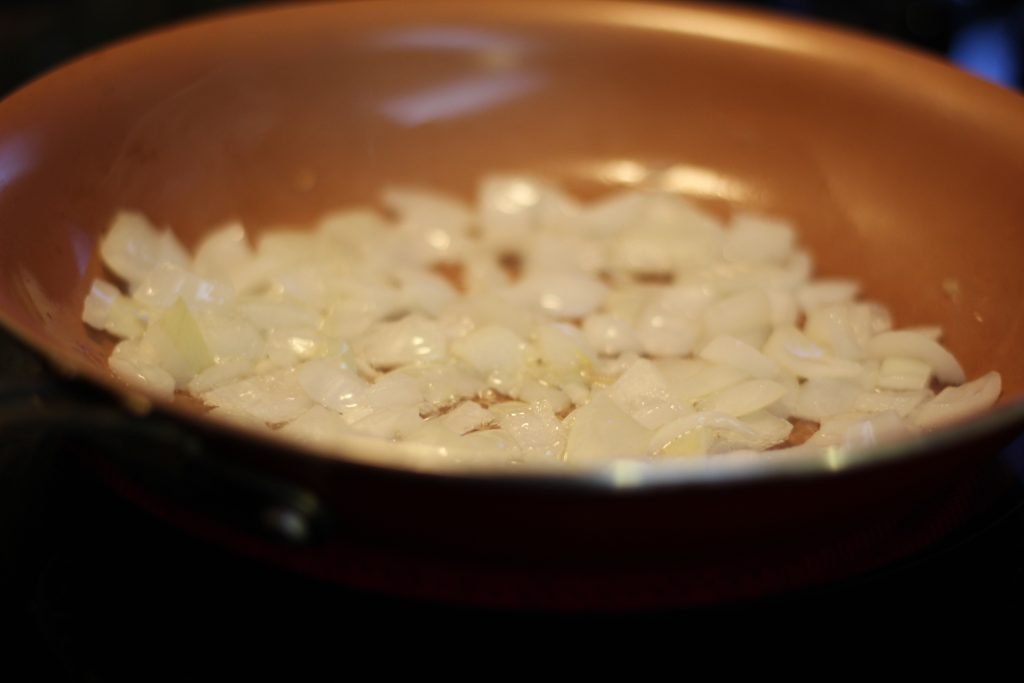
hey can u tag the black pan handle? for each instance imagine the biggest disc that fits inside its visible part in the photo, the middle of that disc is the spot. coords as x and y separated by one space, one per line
156 451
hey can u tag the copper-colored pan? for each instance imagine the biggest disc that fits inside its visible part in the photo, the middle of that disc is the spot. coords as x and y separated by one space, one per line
901 172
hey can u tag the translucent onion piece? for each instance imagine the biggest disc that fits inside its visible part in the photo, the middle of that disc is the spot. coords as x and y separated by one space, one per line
221 251
601 431
743 398
822 397
332 383
560 295
318 426
389 422
491 349
642 393
857 430
900 402
707 432
795 352
730 351
742 312
467 417
912 345
903 373
953 404
610 334
757 239
273 398
537 431
508 209
826 292
128 364
412 339
220 374
132 247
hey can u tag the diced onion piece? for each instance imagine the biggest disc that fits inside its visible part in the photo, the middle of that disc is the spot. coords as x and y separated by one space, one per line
105 309
903 374
222 250
821 397
953 404
772 427
538 432
167 283
332 383
537 393
132 247
832 326
783 307
228 336
730 351
642 393
900 402
608 215
492 349
561 295
425 292
933 332
389 422
98 302
269 314
273 398
912 345
482 448
858 430
447 382
796 353
742 312
508 208
601 431
128 364
318 426
564 353
427 207
220 374
868 319
466 417
393 389
758 239
825 292
412 339
610 334
671 324
706 433
352 230
704 380
743 398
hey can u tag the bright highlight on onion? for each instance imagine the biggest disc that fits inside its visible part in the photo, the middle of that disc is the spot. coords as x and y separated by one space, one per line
533 329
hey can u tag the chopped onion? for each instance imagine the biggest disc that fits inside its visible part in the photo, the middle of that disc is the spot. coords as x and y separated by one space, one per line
467 417
957 403
730 351
905 344
743 398
532 329
642 393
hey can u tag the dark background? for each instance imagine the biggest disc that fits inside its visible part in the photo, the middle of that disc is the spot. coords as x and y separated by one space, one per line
92 589
984 36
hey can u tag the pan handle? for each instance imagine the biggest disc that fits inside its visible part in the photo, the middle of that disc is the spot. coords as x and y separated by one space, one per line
40 410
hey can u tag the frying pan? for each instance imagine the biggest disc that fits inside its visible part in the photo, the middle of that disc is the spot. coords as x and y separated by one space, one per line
901 172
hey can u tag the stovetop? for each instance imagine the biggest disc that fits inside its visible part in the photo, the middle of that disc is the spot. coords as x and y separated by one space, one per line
91 588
